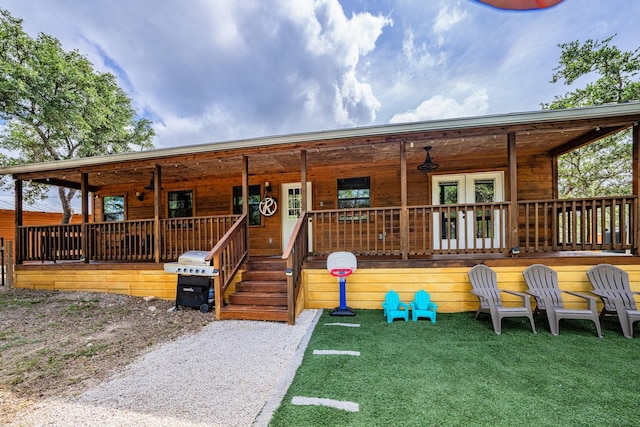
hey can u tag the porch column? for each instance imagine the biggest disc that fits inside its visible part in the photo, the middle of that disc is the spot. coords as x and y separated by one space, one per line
404 211
18 213
636 186
84 189
245 205
157 203
303 181
513 193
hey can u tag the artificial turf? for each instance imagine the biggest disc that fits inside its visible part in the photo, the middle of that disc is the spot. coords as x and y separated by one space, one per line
458 372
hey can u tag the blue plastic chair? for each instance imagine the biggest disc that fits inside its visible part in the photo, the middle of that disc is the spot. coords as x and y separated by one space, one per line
423 307
393 308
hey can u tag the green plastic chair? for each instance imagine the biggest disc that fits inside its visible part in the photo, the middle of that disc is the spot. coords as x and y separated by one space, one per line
423 307
393 308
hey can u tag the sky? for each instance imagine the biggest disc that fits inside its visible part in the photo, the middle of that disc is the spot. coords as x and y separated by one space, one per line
217 70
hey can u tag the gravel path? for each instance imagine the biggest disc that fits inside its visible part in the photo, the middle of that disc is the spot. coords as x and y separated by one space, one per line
232 373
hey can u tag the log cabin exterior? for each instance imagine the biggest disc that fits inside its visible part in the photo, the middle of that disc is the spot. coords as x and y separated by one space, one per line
492 199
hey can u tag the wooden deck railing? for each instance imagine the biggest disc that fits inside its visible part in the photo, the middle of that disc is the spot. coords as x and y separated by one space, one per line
192 234
228 255
295 254
438 229
606 223
365 232
121 241
50 243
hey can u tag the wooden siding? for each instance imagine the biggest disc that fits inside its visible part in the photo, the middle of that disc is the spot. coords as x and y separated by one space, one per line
127 281
449 287
366 288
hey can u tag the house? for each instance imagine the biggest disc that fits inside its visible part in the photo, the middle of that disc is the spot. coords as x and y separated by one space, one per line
417 203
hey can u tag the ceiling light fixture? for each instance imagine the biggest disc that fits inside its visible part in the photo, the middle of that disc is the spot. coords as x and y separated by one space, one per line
428 165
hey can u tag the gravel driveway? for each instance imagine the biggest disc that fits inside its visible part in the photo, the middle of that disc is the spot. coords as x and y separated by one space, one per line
232 373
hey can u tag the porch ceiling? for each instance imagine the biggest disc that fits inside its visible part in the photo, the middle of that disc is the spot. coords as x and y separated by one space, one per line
449 145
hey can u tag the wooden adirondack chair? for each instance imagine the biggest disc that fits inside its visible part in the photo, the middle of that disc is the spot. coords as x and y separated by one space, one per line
485 287
611 284
543 286
423 307
393 308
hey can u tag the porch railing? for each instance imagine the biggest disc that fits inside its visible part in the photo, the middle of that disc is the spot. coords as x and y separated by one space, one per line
228 255
50 243
295 254
192 234
437 229
606 223
122 240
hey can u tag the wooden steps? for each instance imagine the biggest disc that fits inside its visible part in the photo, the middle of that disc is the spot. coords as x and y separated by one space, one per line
261 294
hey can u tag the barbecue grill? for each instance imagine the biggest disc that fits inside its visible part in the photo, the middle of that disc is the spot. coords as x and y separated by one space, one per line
195 280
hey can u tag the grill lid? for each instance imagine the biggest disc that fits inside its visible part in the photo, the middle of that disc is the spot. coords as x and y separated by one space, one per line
194 258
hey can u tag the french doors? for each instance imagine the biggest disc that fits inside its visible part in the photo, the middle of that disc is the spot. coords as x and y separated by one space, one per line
461 226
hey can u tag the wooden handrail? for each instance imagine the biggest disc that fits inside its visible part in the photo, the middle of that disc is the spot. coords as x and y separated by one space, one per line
227 256
295 254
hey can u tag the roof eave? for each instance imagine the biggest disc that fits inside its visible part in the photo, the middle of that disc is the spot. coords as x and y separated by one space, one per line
511 119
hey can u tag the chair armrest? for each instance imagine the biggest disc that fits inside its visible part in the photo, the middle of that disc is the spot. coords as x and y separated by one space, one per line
591 301
580 295
526 299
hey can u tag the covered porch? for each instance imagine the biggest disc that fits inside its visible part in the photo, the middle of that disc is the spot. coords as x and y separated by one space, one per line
403 217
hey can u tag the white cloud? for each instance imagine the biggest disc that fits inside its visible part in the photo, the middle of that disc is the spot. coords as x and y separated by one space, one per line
441 107
448 17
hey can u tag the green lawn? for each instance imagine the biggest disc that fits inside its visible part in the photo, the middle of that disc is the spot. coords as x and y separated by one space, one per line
458 372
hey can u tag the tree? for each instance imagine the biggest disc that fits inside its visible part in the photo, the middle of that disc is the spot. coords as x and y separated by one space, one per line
56 107
595 169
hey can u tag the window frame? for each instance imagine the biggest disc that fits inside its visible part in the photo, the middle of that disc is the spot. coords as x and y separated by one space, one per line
353 184
122 213
171 211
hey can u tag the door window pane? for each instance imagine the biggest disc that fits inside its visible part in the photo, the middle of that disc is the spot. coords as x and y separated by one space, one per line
448 196
294 205
484 193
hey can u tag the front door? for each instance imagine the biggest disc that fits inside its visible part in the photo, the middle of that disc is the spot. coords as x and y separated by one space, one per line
291 209
459 227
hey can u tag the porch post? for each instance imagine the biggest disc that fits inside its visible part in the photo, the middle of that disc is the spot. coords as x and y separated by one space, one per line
404 212
18 213
513 193
245 185
86 244
245 201
636 186
303 181
157 203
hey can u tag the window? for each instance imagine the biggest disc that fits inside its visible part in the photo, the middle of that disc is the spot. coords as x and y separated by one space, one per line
113 208
255 218
354 193
180 204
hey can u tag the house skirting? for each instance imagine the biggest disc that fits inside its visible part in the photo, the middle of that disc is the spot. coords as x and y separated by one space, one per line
365 289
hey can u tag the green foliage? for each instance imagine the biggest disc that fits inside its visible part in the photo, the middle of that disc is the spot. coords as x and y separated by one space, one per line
56 107
602 168
458 372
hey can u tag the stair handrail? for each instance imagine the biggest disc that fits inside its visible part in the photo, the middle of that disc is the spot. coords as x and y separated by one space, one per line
295 254
228 255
